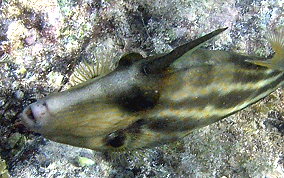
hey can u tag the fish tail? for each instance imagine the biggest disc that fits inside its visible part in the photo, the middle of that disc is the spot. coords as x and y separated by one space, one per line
276 40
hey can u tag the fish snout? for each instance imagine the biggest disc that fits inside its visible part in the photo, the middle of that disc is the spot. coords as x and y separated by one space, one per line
35 115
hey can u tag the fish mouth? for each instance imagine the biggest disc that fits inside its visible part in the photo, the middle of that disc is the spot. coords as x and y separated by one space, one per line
36 116
28 118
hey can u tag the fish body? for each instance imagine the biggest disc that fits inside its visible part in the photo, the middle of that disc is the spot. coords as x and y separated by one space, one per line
146 102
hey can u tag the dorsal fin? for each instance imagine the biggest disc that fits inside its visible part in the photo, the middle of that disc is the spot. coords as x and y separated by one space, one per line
160 64
129 59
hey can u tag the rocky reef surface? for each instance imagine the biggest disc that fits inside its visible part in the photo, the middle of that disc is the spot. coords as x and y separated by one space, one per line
42 41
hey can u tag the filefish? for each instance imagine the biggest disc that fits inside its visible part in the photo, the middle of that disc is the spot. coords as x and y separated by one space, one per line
146 102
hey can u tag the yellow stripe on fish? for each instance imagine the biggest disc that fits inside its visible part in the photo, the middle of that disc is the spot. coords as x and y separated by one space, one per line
222 88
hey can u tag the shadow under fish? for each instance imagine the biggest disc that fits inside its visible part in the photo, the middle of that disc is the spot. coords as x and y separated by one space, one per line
146 102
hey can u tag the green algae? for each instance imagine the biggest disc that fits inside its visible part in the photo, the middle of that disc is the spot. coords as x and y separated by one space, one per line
3 169
83 161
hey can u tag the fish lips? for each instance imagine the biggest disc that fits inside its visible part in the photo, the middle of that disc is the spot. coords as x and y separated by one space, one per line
36 116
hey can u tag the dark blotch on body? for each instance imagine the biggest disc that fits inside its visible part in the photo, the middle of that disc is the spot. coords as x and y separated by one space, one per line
115 139
161 124
136 100
136 127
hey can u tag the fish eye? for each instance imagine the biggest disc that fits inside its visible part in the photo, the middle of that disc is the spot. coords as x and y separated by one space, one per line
115 139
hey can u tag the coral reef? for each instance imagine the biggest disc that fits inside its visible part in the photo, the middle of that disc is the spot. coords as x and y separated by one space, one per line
42 42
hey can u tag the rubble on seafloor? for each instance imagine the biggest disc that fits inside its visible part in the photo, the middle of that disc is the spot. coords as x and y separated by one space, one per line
42 41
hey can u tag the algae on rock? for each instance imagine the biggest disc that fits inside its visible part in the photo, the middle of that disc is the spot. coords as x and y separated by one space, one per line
46 39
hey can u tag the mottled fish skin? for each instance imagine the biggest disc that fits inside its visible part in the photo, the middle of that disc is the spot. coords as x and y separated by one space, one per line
141 105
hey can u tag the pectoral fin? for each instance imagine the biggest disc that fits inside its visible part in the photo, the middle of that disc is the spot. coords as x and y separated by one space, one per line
85 70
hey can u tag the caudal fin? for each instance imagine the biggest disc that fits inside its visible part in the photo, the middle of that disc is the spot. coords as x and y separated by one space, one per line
277 61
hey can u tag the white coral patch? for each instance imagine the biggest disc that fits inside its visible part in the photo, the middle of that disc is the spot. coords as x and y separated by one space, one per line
55 79
16 31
